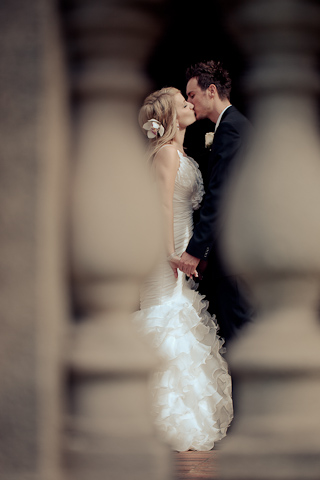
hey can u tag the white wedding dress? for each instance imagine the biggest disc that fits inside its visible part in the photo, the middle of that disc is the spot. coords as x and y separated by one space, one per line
191 392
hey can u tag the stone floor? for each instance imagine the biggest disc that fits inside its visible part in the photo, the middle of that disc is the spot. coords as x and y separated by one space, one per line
196 465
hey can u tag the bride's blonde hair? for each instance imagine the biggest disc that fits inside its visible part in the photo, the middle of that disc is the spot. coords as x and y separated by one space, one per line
160 106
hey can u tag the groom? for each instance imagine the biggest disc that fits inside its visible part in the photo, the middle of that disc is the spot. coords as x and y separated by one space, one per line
208 89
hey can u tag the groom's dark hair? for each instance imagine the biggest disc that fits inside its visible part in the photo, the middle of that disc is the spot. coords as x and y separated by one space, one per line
211 72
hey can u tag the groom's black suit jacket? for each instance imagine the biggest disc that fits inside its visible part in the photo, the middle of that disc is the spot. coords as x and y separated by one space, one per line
230 137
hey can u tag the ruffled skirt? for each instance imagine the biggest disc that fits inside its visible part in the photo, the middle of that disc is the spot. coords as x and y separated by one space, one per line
191 391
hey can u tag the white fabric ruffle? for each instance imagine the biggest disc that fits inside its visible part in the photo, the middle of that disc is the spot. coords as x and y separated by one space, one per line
191 392
189 183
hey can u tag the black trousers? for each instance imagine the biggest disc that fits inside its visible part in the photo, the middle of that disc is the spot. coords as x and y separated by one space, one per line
228 302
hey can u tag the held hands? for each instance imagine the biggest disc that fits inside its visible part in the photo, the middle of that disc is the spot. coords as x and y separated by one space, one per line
188 265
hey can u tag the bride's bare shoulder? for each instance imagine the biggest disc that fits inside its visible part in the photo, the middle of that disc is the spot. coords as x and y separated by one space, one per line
167 153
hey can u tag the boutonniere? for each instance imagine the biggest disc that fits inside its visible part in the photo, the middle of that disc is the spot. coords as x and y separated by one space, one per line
209 139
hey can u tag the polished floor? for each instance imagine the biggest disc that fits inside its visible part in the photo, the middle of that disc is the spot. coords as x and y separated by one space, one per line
196 465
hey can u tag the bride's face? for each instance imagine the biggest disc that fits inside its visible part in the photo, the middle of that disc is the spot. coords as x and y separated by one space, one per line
185 111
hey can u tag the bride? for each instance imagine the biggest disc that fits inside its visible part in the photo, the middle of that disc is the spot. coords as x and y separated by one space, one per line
191 392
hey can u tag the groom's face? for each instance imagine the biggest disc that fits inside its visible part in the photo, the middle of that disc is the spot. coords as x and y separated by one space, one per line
199 98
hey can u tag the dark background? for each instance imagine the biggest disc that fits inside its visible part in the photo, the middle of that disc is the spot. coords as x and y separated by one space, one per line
195 32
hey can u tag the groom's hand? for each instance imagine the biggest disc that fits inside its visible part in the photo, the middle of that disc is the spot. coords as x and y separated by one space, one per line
188 264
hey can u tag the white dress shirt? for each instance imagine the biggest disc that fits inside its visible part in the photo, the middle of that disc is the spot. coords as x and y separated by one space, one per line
219 118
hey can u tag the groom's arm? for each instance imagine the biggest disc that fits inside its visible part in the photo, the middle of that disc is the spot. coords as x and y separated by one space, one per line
206 232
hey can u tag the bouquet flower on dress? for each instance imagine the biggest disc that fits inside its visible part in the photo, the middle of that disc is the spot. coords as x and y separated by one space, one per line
153 128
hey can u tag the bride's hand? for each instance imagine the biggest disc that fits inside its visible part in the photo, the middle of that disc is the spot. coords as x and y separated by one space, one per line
174 261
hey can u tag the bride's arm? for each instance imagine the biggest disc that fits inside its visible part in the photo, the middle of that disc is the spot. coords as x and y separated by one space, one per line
166 164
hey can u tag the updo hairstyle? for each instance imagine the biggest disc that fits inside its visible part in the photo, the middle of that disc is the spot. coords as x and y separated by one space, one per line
160 106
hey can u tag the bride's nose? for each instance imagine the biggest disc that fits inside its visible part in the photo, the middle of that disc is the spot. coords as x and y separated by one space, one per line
191 106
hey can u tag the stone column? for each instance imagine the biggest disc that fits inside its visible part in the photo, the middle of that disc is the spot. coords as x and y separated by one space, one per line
115 237
33 303
273 237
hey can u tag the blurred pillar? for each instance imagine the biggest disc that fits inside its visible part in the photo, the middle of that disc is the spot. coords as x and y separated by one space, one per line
114 240
273 237
33 303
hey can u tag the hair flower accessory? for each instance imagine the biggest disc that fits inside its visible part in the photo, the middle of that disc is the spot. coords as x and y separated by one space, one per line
153 128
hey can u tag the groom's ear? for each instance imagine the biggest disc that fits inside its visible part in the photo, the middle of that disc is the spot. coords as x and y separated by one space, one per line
212 90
